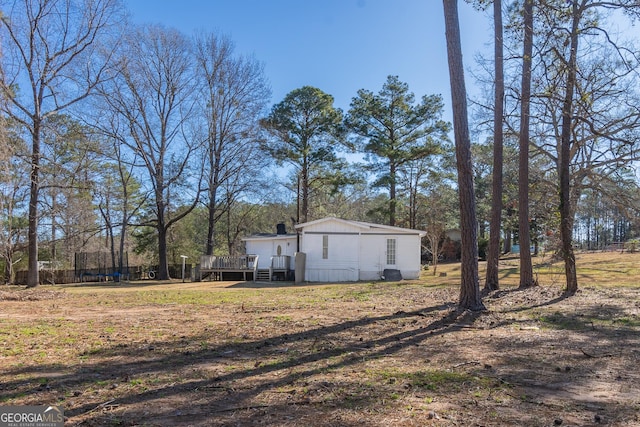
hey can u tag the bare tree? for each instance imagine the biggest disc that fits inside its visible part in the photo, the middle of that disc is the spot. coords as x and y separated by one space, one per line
588 110
469 286
235 94
118 195
566 217
414 177
153 96
50 48
439 203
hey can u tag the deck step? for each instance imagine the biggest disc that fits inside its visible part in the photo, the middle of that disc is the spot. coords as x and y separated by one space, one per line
263 276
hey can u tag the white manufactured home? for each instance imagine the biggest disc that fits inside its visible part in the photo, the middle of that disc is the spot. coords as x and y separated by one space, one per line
338 250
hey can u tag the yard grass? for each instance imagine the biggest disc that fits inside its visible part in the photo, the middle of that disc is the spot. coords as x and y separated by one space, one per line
378 354
600 269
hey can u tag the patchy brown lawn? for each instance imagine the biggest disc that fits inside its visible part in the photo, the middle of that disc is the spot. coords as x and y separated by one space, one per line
375 354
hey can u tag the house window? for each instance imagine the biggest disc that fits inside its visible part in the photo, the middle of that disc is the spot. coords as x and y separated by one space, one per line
279 250
391 251
325 247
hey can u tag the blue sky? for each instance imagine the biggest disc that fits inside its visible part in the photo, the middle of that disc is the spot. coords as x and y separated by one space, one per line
339 46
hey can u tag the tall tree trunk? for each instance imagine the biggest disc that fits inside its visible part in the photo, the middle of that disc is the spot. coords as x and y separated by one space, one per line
469 286
493 251
54 207
112 246
414 207
33 275
8 267
434 242
213 190
123 231
105 211
125 218
214 183
305 192
163 265
392 195
526 267
566 215
228 230
161 227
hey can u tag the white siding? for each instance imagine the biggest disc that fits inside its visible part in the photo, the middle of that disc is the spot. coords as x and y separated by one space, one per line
355 250
341 264
373 259
408 256
267 247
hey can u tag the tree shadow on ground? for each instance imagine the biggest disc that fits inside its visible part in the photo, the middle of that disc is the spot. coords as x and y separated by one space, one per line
584 356
291 360
132 363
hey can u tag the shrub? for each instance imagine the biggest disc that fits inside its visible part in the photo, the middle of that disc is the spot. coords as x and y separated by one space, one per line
632 245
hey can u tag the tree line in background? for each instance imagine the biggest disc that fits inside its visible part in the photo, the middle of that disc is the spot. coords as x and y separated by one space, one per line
125 138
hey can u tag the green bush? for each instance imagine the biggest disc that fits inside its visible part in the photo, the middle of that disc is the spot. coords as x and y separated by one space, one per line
632 245
483 244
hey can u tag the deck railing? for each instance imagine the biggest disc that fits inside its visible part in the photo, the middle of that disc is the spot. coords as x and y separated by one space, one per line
213 266
280 266
226 262
280 262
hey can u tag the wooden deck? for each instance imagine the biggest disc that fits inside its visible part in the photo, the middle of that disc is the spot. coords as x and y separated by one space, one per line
215 267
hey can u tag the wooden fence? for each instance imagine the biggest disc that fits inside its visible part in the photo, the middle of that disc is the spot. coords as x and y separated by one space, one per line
59 277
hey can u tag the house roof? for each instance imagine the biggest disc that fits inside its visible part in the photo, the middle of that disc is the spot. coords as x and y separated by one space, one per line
269 236
366 226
